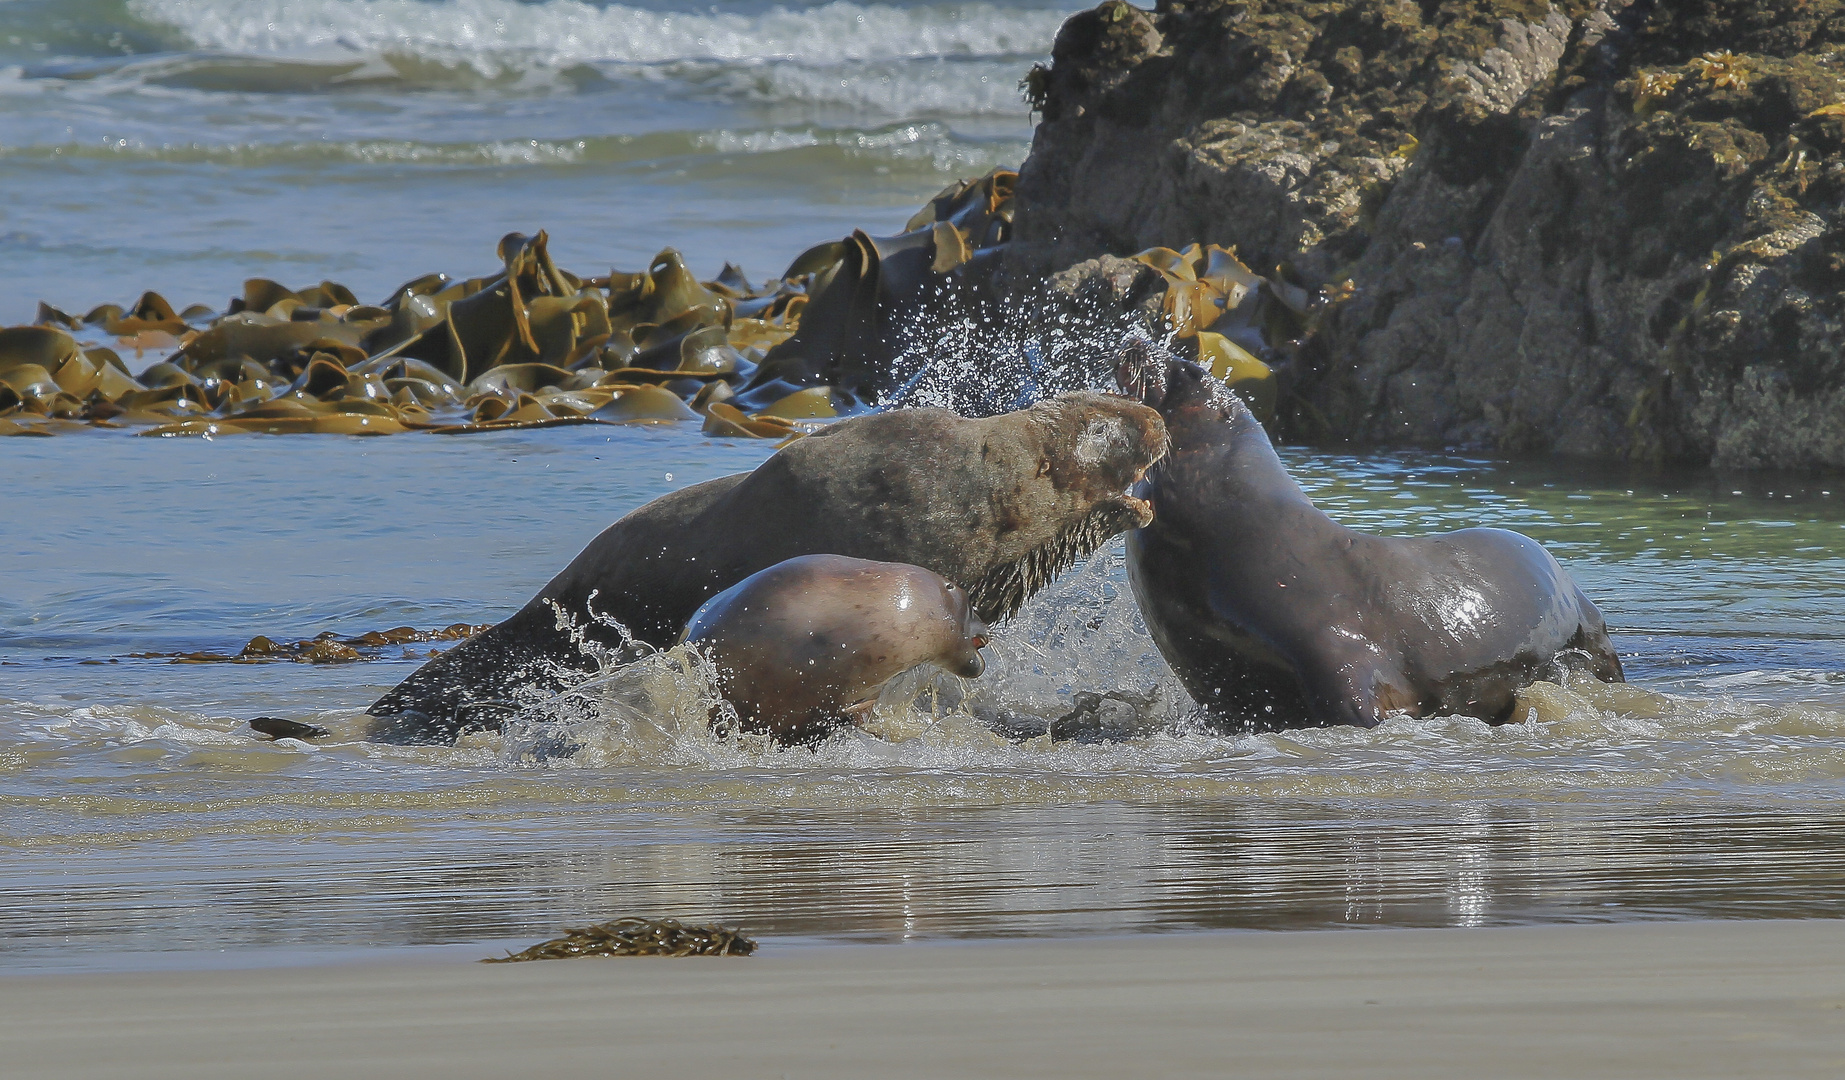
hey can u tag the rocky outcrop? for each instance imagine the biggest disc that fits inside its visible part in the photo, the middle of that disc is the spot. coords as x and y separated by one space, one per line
1607 228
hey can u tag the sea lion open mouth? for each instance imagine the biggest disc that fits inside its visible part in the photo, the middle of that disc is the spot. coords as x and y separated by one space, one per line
1099 446
1142 508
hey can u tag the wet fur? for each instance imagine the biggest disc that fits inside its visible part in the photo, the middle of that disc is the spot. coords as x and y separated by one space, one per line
803 646
1275 616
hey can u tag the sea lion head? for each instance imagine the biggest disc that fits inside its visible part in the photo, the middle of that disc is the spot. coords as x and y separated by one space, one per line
1185 394
962 652
1095 448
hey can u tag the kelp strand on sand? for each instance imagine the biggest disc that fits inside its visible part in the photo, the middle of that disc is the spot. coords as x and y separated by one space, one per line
636 937
534 345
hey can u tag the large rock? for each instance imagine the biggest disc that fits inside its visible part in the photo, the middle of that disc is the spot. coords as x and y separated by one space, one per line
1607 228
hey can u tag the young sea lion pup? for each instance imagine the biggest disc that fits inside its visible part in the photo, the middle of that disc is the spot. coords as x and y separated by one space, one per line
803 646
1000 504
1272 613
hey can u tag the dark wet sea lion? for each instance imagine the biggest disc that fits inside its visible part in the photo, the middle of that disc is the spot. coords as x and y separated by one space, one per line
799 647
1272 613
1000 504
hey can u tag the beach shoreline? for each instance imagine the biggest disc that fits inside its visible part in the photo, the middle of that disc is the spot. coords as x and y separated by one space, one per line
1650 999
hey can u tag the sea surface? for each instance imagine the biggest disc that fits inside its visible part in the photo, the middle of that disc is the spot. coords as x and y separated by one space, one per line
183 145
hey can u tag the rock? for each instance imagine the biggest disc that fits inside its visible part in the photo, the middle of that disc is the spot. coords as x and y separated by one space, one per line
1107 285
1606 228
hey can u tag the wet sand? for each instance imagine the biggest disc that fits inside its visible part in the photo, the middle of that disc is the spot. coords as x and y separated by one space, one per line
1716 999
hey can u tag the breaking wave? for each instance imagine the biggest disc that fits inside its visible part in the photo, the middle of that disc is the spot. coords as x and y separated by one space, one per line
931 146
560 32
953 59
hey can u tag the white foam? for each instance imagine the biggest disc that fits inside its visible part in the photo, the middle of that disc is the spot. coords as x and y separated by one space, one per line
933 143
897 88
390 151
566 31
928 144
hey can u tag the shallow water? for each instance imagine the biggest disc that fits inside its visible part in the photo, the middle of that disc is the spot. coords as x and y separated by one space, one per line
183 145
138 814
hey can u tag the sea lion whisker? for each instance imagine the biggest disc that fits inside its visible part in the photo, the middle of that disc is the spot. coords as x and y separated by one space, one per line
1004 589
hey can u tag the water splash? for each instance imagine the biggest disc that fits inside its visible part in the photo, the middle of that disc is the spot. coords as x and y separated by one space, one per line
1082 636
961 347
1076 663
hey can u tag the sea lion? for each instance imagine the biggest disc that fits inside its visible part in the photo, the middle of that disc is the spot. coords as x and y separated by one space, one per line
801 647
1001 504
1275 615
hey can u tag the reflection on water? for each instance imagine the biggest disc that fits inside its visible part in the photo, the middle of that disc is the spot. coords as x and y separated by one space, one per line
889 876
138 813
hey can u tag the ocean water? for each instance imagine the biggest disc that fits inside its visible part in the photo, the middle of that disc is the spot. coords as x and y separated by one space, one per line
183 145
141 822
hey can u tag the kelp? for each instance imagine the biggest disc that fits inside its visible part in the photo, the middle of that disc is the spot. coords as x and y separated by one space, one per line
278 728
861 288
636 937
325 648
1226 316
531 345
534 345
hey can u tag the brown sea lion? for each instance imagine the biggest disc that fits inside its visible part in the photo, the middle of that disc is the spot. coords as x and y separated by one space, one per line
1277 616
1000 504
801 647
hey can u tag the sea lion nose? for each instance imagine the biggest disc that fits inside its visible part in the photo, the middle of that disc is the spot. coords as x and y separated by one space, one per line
973 664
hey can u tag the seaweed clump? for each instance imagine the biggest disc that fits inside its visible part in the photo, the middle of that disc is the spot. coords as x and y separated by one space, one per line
529 344
325 648
636 937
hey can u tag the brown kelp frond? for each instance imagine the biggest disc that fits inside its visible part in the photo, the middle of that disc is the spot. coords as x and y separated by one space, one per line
531 345
325 648
636 937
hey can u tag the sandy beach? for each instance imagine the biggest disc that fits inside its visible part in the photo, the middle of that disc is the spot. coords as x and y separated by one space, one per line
1716 999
